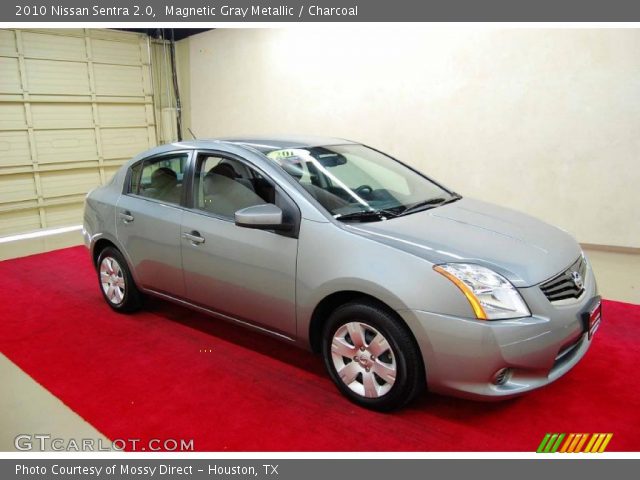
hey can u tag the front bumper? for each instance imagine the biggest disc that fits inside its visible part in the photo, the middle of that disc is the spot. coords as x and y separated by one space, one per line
462 356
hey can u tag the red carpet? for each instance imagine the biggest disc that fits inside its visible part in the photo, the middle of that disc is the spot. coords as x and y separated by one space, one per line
147 376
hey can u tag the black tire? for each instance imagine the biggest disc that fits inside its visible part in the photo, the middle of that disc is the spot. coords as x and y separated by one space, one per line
403 354
128 298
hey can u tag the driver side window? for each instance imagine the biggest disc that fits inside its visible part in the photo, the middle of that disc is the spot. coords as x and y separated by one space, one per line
225 185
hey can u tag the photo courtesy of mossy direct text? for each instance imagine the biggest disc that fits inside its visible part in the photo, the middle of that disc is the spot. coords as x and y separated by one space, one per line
99 470
124 469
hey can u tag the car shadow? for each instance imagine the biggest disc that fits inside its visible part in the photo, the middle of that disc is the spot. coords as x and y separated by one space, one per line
239 335
460 409
442 406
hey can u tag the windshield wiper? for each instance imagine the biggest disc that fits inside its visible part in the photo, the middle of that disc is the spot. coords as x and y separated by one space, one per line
431 203
364 214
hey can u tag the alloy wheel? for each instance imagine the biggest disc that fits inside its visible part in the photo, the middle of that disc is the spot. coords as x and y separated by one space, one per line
112 280
363 359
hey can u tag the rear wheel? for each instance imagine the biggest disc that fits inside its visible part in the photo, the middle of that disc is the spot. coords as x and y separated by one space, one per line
371 357
116 283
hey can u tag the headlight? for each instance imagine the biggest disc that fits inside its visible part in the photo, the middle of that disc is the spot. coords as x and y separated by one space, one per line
492 297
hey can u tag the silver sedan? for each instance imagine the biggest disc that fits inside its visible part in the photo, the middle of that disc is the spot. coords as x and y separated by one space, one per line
330 245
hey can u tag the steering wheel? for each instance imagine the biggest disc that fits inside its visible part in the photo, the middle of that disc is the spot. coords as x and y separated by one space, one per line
363 190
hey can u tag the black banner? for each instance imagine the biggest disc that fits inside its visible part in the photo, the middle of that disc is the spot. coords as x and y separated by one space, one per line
319 11
320 469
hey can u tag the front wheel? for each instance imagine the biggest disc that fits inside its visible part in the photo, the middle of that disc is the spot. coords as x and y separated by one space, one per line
372 357
116 283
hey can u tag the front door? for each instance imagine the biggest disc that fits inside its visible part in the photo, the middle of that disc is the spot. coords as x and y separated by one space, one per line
243 273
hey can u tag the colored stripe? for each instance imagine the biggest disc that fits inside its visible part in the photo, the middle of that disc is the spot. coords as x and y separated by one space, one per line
601 437
590 444
584 439
605 443
567 443
550 443
594 439
575 442
557 444
543 443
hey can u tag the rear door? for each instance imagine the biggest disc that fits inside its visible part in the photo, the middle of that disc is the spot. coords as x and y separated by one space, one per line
247 274
148 219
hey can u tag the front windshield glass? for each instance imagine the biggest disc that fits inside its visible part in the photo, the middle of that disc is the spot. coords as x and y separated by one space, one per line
357 182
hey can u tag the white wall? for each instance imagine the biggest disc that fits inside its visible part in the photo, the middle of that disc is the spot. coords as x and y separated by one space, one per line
546 121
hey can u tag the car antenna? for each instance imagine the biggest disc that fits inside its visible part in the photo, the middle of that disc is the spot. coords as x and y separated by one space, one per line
192 134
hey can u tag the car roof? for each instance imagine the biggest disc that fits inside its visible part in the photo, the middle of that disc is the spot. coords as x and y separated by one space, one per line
263 144
266 144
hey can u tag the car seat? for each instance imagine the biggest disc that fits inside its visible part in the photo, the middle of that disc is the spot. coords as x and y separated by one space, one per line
225 196
227 170
164 185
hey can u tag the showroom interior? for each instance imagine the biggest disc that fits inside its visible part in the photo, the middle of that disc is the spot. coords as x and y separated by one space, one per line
543 121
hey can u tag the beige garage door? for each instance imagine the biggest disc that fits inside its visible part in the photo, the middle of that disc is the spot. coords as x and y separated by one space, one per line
74 105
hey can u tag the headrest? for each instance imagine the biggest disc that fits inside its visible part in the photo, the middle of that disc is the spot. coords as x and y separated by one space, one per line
163 177
225 170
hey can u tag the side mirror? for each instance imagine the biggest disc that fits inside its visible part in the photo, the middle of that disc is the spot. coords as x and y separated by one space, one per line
265 216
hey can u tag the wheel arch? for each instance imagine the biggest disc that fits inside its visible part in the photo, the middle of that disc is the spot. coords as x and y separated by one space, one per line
99 246
104 241
331 302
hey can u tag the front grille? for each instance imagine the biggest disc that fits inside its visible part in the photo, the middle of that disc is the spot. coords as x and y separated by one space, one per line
564 285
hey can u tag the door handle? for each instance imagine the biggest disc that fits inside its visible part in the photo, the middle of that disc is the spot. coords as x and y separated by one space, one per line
194 237
126 216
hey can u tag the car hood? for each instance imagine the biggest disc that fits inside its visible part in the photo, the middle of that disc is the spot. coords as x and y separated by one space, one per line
524 249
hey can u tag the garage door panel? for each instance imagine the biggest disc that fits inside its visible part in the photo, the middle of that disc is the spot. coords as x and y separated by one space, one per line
124 142
10 79
14 148
8 42
50 76
74 106
49 115
62 215
18 221
65 145
17 188
116 52
70 182
109 172
119 80
77 32
122 115
12 115
58 47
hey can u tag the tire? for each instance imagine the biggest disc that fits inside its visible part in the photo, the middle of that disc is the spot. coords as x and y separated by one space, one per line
116 283
372 357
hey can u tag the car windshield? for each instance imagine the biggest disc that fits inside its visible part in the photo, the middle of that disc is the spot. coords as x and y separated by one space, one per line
354 182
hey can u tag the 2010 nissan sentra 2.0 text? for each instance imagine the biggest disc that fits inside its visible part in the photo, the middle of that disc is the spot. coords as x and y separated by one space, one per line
397 281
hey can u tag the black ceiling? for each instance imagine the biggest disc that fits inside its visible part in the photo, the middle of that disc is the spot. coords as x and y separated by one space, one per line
166 33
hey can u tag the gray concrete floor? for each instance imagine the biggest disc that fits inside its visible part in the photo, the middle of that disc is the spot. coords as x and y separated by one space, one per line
617 274
28 408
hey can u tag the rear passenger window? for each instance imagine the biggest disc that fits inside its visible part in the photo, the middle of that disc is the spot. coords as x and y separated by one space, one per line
160 179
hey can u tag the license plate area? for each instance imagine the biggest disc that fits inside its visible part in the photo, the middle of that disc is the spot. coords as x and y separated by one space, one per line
592 316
